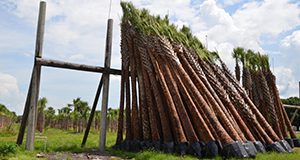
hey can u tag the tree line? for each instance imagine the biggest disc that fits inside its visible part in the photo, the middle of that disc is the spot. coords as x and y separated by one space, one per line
6 116
73 116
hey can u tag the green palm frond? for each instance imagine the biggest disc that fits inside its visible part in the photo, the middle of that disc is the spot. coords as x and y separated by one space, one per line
161 26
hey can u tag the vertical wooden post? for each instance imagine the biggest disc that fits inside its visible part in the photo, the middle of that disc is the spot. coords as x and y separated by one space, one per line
35 79
105 92
88 126
32 112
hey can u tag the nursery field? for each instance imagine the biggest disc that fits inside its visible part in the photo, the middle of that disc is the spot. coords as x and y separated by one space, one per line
64 144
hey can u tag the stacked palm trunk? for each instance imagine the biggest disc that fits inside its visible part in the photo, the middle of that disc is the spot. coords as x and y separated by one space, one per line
176 96
260 84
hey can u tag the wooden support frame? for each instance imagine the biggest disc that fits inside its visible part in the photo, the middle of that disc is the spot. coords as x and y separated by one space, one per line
30 109
294 115
75 66
295 112
88 126
291 106
105 92
32 97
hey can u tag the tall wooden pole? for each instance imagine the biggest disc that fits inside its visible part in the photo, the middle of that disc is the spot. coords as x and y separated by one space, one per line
35 79
105 85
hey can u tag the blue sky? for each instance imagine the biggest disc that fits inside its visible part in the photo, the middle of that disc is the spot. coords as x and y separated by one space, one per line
75 32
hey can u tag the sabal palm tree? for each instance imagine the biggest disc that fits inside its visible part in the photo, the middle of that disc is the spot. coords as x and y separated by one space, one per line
247 81
267 98
49 116
80 113
64 115
237 54
112 116
97 119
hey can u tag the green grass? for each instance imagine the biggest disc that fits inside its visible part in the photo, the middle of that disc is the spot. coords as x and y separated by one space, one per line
68 141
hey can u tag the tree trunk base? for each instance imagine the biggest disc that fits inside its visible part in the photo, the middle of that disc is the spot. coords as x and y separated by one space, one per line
212 149
235 149
286 146
168 147
290 141
296 142
250 148
259 147
275 147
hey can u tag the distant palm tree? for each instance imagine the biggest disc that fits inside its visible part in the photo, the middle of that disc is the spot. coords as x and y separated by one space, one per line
112 116
80 114
41 116
64 117
97 119
49 116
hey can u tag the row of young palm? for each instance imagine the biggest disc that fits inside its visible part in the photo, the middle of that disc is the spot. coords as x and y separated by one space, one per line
260 84
72 117
177 96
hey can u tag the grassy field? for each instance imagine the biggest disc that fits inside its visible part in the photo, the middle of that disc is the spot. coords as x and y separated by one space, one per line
68 141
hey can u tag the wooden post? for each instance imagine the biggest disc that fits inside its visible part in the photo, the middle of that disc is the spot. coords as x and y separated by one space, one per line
87 130
32 112
294 116
35 83
105 86
25 115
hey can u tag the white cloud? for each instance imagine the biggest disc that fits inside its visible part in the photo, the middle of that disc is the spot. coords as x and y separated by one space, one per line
10 94
286 81
292 41
230 2
268 17
75 29
290 48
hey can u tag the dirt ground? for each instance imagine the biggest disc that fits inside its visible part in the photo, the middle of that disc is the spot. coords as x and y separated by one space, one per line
79 156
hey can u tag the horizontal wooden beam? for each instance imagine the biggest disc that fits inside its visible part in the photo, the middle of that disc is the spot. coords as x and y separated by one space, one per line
75 66
291 106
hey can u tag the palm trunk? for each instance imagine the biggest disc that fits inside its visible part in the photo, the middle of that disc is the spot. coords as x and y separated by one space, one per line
179 135
220 90
277 103
134 115
186 123
121 110
204 86
198 122
223 135
237 70
152 84
125 56
262 104
243 108
255 92
262 121
269 104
